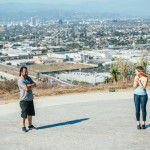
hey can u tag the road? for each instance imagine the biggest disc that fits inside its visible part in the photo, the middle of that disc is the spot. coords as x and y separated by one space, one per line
89 121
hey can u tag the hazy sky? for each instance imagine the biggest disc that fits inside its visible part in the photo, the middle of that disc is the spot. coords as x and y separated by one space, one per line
44 1
71 1
113 6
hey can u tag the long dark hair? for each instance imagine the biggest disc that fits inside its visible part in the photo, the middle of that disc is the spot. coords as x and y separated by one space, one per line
21 70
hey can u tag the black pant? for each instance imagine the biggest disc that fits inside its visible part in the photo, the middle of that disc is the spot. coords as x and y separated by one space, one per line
140 99
27 108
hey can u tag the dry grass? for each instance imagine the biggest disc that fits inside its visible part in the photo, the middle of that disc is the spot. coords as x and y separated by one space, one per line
44 89
9 71
56 67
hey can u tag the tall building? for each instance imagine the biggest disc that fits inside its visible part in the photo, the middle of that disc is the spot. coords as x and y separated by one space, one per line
60 21
37 21
21 24
33 21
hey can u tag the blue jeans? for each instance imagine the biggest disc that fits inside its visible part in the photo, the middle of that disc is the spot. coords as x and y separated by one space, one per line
140 99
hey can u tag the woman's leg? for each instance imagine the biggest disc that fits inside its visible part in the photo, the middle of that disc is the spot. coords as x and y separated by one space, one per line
143 107
137 107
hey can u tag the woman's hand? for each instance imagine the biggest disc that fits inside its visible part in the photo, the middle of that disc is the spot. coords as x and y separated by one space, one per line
136 79
143 86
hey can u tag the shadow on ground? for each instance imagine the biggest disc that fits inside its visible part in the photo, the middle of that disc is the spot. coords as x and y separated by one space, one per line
147 126
63 123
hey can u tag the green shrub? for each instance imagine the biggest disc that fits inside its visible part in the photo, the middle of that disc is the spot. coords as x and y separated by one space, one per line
75 82
112 90
84 83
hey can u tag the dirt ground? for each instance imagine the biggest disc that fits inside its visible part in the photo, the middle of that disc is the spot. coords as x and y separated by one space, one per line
56 67
13 96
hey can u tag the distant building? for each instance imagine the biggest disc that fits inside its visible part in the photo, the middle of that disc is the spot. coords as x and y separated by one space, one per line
37 22
60 21
115 20
21 24
1 29
21 62
93 78
33 21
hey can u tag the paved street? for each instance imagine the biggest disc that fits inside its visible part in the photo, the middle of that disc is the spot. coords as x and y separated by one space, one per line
89 121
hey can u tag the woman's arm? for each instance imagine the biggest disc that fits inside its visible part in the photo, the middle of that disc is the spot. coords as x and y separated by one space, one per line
145 83
135 83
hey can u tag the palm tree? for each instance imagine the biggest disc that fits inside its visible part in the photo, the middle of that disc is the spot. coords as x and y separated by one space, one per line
107 79
143 62
114 72
132 70
124 71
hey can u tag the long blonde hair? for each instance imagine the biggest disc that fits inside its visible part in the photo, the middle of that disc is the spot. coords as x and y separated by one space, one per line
142 71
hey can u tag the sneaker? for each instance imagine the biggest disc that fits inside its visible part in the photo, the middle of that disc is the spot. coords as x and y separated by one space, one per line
138 127
143 126
32 127
24 129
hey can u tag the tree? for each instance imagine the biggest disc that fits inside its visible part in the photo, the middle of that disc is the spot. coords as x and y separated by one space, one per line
38 76
124 71
141 41
45 80
100 65
131 71
107 79
143 62
114 72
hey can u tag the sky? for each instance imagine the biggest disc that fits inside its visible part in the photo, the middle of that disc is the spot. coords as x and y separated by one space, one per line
73 1
45 1
110 6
